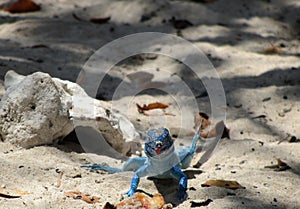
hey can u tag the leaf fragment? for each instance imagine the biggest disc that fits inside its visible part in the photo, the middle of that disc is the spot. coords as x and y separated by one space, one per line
152 106
202 118
85 197
21 6
223 183
140 200
273 50
280 166
208 129
12 193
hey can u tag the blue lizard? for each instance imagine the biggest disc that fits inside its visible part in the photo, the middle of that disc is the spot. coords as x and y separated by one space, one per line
162 161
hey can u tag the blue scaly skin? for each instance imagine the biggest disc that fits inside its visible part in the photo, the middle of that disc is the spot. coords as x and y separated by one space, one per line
162 161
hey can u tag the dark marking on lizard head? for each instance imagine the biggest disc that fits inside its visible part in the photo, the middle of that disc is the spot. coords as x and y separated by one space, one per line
157 142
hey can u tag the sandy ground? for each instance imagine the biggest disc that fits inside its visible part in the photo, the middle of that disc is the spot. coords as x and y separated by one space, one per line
262 92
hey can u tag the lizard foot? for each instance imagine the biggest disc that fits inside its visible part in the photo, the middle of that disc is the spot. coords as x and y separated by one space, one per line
92 167
182 195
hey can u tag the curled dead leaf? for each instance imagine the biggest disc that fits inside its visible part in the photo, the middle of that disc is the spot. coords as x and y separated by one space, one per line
207 130
152 106
223 183
85 197
273 49
203 119
140 200
218 128
12 193
280 166
21 6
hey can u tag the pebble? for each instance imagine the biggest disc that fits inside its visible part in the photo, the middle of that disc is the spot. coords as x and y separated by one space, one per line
266 99
242 162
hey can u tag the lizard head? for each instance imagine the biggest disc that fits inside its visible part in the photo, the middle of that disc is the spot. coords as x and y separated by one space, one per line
158 141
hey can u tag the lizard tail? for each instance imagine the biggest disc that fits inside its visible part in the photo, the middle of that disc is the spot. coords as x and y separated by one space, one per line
195 140
96 167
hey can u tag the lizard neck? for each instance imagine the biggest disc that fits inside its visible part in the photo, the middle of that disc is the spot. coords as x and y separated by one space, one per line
162 163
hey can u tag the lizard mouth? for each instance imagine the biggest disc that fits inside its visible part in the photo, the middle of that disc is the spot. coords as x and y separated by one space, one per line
158 147
158 150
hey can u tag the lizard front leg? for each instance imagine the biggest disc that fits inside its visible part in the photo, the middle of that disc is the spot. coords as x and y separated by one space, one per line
141 172
181 177
133 187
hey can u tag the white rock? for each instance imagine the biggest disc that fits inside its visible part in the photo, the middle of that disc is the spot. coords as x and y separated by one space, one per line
38 109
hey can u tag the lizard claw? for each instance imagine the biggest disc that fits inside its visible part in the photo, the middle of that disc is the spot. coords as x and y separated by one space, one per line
86 165
124 196
130 193
92 167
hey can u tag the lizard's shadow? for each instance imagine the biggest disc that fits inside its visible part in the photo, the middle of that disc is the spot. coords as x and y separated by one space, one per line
168 188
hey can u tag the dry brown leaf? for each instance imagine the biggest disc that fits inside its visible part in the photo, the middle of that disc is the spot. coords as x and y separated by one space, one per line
85 197
21 6
207 130
140 200
223 183
273 49
280 166
12 193
109 206
151 106
202 118
217 129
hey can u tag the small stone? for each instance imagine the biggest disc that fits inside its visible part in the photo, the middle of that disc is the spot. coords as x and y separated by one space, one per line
231 193
98 181
192 189
287 109
266 99
292 139
242 162
77 176
238 105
